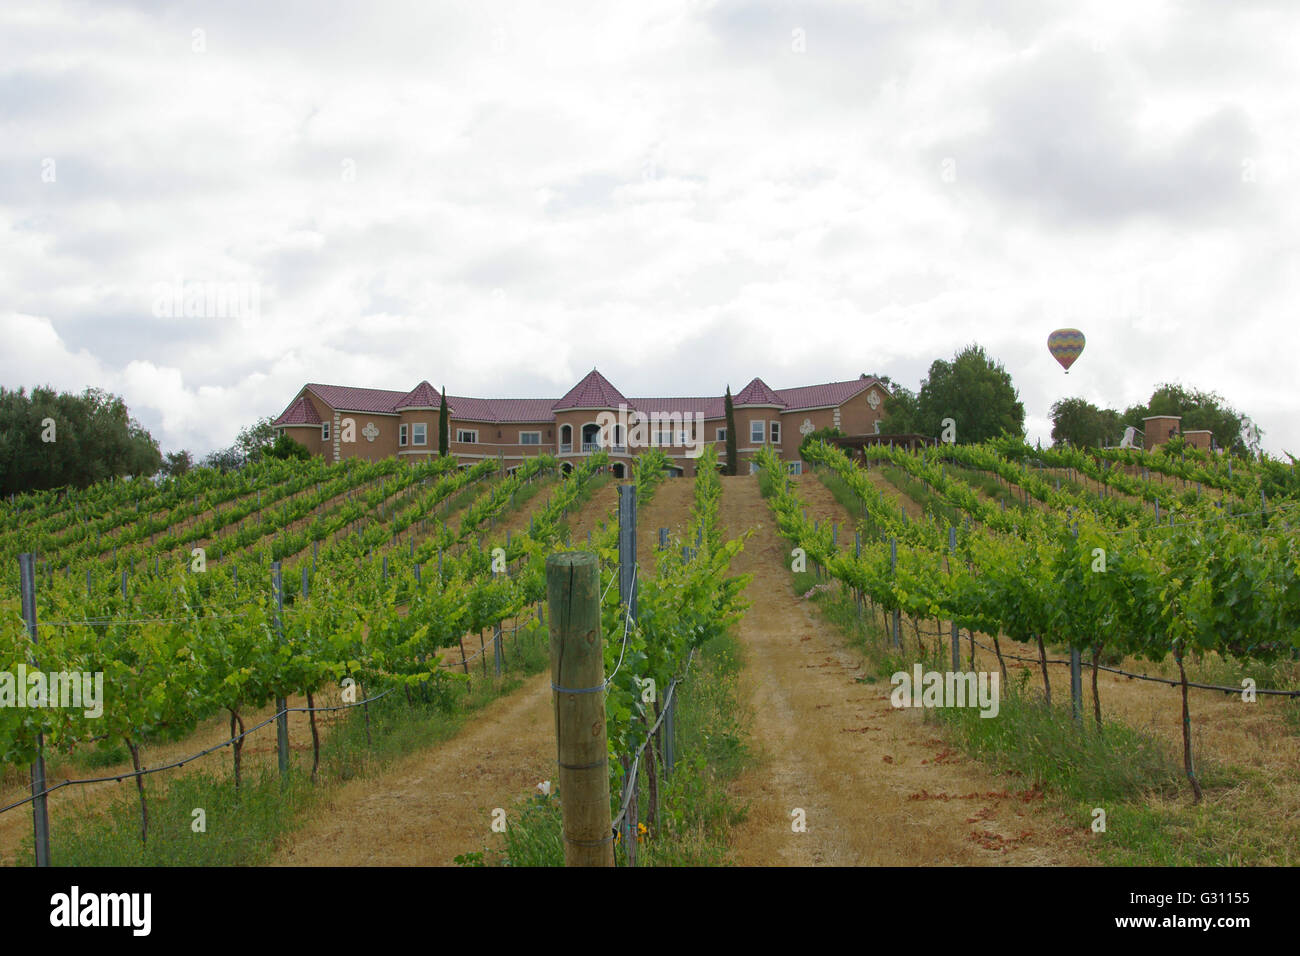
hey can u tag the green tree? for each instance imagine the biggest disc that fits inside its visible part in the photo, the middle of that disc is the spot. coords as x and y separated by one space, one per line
884 380
256 439
1199 410
444 439
902 413
224 460
285 447
1083 425
731 432
976 392
177 463
54 439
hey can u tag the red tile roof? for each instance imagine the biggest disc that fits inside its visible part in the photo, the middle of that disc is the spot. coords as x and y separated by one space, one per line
820 396
301 412
422 396
757 393
710 407
349 399
501 409
594 391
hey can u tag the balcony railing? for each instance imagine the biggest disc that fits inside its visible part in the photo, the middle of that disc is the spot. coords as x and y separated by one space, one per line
589 447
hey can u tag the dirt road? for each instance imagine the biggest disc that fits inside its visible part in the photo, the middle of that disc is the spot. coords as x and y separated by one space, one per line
875 784
433 805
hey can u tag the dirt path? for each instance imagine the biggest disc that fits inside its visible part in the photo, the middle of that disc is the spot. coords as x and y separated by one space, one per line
431 806
669 508
876 785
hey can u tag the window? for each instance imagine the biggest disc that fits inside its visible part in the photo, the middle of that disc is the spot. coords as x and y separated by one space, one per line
794 467
753 468
419 434
530 438
776 433
684 438
467 436
663 436
722 434
401 436
325 431
756 432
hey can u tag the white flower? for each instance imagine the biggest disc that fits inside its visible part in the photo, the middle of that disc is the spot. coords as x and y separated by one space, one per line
545 788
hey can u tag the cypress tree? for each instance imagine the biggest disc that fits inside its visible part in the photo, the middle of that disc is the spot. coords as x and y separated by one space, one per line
731 433
442 424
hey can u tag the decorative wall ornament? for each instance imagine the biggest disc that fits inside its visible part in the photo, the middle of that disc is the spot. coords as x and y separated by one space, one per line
370 431
873 399
807 427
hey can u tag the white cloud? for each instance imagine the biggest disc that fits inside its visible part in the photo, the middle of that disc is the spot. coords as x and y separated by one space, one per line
497 196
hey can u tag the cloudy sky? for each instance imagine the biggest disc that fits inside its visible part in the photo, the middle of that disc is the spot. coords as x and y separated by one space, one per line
499 196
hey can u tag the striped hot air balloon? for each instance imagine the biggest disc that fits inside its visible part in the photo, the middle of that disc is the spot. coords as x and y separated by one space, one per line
1065 346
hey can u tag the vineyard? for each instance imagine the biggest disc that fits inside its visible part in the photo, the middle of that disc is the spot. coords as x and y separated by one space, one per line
322 592
1127 571
223 594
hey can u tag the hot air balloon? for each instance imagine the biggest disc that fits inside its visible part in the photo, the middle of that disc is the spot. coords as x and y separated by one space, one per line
1065 346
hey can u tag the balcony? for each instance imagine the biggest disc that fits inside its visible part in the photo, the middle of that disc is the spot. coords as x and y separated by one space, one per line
591 447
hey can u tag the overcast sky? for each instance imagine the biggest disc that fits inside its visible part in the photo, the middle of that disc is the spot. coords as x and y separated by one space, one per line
499 196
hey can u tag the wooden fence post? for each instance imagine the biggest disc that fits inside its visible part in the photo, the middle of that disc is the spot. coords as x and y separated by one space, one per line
282 720
578 686
893 568
956 637
40 811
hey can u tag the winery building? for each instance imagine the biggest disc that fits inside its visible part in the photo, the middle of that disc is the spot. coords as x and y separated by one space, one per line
341 421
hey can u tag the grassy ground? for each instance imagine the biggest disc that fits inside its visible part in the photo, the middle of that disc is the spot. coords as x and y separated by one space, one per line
695 810
241 828
1134 777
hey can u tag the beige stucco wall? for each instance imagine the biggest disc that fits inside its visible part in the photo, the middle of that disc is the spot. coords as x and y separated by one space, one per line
856 417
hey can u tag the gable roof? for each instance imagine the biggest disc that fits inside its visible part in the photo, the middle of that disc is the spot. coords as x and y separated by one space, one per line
757 393
422 396
301 412
594 391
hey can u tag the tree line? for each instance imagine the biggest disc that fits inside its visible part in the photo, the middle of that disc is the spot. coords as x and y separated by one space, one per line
52 439
976 391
